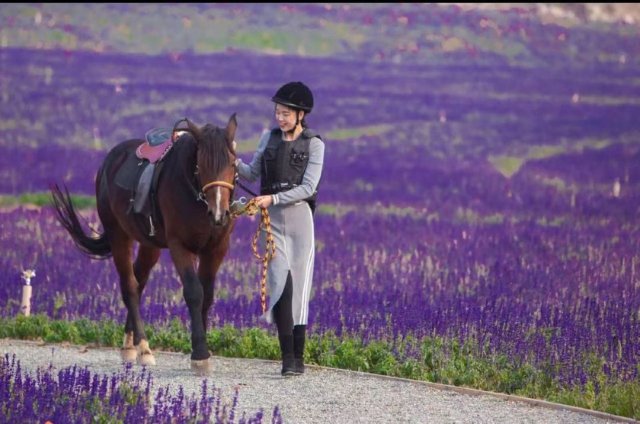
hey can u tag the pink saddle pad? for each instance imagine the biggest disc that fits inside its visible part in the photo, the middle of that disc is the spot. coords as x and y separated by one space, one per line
157 145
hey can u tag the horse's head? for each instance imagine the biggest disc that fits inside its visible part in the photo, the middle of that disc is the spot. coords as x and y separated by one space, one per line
216 167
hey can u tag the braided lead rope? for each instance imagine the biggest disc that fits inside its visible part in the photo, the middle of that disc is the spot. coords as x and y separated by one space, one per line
265 223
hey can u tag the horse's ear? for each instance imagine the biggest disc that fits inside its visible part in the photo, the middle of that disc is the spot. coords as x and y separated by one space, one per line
232 125
195 131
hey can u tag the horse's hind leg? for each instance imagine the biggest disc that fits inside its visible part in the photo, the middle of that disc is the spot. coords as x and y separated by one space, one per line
146 259
122 248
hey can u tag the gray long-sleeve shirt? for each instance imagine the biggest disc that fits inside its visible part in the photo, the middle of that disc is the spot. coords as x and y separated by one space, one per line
310 180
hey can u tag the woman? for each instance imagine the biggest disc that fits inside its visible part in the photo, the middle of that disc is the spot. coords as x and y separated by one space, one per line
289 162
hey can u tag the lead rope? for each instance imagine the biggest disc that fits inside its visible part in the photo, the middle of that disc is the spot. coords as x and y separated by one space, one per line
250 208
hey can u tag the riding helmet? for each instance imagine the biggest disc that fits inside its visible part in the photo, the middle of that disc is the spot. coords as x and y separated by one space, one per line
295 95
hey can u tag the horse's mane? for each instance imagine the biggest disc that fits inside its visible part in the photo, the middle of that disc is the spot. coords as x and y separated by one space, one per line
214 148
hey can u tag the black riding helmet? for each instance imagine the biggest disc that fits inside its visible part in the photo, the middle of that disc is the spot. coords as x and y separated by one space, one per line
295 95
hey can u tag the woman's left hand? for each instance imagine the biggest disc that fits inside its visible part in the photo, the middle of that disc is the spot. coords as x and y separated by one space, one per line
264 201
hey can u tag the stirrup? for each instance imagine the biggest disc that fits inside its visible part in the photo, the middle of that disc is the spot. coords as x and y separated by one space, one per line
152 232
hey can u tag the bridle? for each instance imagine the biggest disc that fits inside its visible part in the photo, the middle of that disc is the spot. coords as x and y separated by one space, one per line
224 184
217 183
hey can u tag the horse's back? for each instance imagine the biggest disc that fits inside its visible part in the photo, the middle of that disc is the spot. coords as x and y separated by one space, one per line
117 175
119 160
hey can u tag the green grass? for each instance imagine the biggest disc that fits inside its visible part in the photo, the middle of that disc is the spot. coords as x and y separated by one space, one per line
44 199
439 360
352 133
506 165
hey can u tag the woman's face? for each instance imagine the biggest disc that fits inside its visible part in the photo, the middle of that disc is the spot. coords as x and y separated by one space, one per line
285 117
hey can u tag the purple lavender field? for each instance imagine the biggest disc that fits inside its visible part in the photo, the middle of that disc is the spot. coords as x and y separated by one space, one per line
75 394
481 175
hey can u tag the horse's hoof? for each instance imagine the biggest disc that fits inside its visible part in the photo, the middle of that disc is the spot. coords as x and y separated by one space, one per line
128 355
146 359
201 366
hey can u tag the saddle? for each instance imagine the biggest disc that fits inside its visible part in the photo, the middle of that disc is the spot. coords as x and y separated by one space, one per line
158 143
149 154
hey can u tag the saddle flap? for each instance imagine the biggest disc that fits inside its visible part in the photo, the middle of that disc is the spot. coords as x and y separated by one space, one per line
140 204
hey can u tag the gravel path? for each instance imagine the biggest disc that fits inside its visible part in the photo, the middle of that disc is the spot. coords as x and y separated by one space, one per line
321 395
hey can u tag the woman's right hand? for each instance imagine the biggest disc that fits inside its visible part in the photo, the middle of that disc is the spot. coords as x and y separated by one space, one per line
264 201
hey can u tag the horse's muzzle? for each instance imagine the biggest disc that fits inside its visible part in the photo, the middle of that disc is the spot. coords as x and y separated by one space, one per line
219 219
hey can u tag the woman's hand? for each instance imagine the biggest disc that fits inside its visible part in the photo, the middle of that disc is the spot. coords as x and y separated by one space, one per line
264 201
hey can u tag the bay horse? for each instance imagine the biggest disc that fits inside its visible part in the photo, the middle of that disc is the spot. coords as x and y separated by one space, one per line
194 192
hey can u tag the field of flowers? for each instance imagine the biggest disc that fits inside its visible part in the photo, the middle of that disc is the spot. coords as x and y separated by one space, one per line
489 205
75 394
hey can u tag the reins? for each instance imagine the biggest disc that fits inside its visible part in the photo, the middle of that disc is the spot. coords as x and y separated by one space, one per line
251 208
245 188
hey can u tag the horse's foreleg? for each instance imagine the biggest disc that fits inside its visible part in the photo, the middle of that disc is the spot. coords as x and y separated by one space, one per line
193 295
207 290
207 271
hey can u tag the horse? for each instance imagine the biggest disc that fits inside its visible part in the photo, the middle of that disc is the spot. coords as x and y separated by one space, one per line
193 194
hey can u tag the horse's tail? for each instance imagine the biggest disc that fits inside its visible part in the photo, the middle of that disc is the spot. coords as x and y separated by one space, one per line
98 248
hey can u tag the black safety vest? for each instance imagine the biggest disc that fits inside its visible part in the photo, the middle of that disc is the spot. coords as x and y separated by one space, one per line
284 163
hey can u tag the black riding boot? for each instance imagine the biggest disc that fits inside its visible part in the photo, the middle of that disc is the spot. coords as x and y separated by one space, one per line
284 321
288 361
299 333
